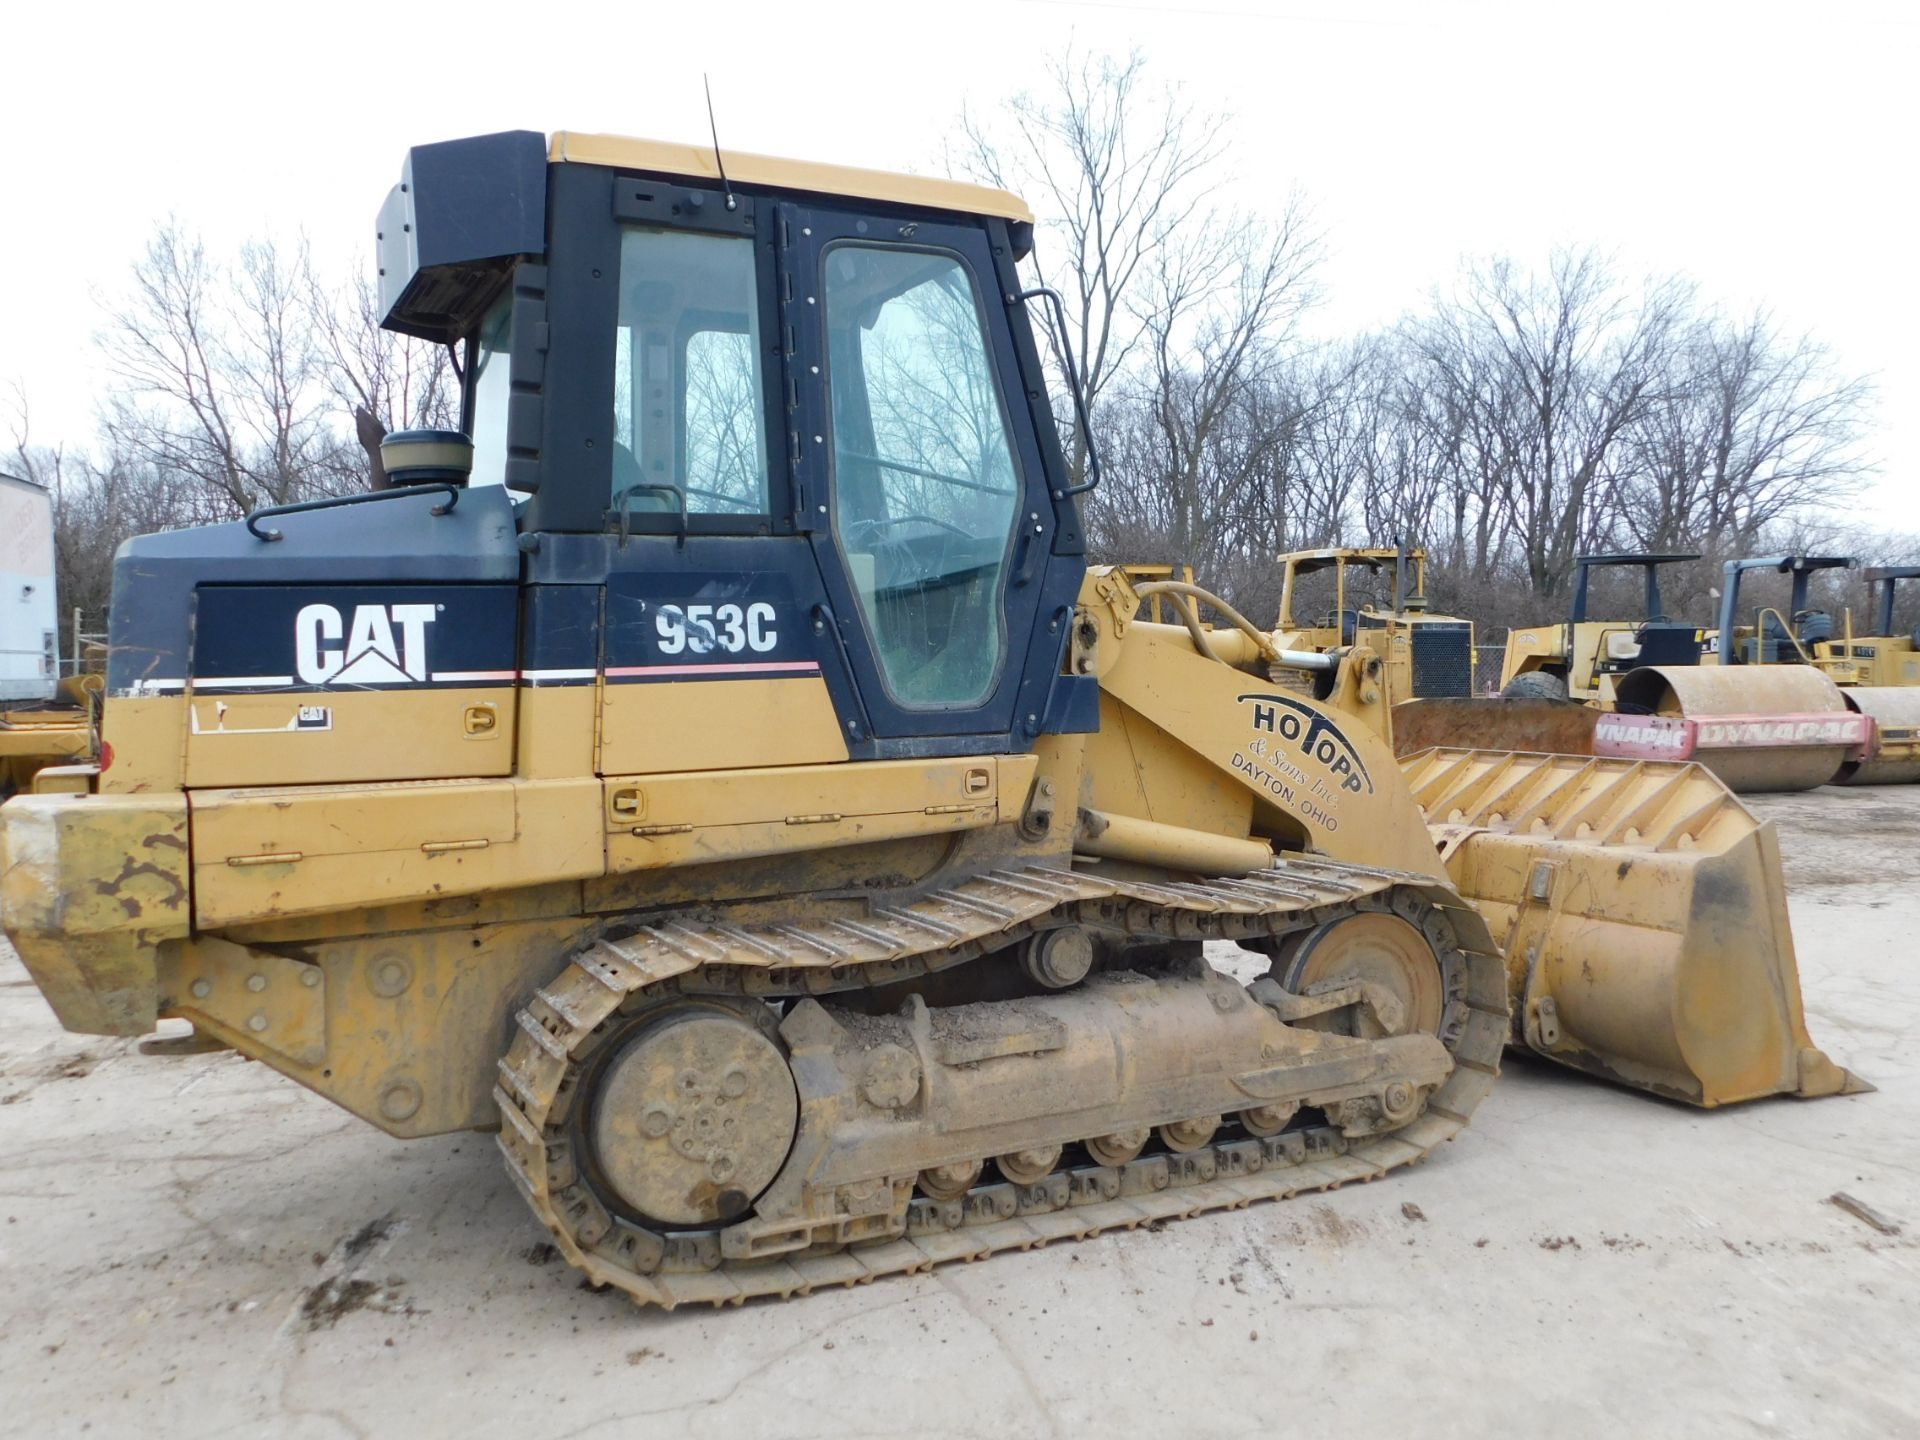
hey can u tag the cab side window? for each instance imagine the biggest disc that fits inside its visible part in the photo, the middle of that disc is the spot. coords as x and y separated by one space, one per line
925 484
689 386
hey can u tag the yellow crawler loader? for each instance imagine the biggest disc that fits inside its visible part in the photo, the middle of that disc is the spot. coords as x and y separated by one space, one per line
718 771
1427 655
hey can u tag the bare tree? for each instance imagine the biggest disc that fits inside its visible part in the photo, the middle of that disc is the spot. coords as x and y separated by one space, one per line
222 375
1117 171
1545 374
1216 313
383 381
1757 425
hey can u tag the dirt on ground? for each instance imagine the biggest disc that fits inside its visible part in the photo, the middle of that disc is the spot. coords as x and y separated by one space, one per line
194 1245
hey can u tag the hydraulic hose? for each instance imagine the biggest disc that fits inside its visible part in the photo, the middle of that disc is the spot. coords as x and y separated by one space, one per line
1184 596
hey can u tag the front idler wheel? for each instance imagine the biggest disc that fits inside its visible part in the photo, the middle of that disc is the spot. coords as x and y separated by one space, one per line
1375 947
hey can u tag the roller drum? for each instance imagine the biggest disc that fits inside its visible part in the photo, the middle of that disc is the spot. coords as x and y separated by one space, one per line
1709 691
1895 712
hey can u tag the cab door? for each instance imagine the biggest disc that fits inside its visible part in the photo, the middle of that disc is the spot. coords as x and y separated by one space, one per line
707 654
920 477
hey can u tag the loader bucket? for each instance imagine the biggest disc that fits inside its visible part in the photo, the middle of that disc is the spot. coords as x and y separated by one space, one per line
1641 912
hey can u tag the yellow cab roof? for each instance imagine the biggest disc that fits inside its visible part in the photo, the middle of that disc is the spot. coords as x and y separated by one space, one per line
696 162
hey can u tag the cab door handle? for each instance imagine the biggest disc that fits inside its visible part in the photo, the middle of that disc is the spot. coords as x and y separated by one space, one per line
1026 549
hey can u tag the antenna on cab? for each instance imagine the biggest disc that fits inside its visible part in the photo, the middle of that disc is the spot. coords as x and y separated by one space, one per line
714 130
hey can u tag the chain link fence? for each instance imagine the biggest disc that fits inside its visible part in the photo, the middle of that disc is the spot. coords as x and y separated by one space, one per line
1487 660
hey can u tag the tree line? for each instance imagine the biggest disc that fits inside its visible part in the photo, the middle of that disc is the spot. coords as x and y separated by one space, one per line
1528 411
233 382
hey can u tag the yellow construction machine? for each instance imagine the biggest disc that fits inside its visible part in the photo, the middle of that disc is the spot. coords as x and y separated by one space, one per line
719 772
1426 655
51 744
1777 704
1757 703
1580 658
1880 659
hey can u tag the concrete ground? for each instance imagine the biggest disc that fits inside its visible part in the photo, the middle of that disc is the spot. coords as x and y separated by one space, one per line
197 1246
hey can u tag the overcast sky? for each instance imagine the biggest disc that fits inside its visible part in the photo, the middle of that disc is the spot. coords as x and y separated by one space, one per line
1767 150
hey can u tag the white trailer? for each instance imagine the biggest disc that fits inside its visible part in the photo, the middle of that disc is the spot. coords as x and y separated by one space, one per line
29 621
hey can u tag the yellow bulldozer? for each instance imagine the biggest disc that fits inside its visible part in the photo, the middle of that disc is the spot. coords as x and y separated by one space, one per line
1426 655
718 771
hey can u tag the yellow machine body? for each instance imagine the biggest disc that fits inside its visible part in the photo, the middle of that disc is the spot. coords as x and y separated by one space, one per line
56 737
418 889
769 977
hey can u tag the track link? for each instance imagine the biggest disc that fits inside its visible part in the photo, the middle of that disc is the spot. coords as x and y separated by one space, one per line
539 1077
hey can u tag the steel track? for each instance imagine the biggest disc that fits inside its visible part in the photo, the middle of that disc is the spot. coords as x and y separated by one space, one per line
539 1076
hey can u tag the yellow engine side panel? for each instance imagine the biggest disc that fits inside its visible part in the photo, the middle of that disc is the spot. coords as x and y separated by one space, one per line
651 729
146 738
317 738
660 820
557 731
265 853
